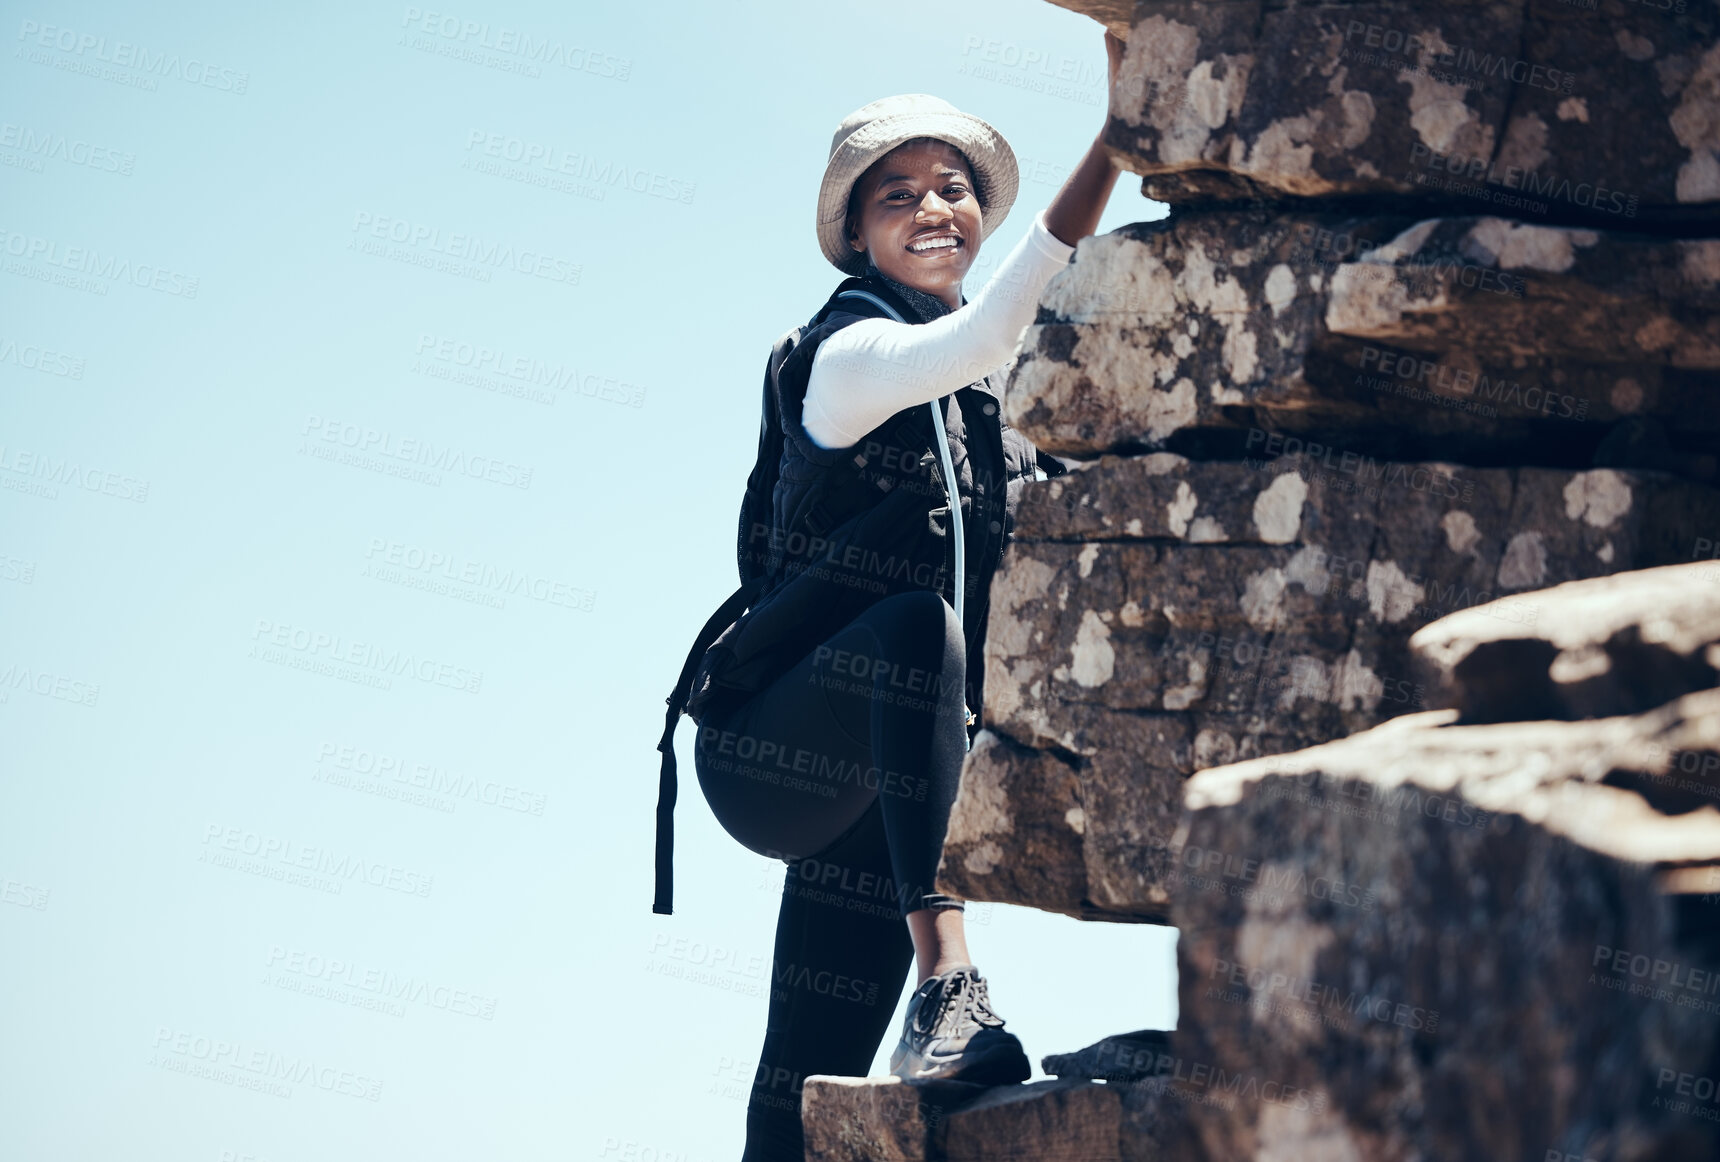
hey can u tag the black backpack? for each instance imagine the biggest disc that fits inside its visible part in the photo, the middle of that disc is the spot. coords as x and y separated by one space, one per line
760 569
757 568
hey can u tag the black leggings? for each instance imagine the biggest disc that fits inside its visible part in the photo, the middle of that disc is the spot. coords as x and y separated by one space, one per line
845 768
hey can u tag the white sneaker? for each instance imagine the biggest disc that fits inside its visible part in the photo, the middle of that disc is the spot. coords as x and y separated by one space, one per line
951 1034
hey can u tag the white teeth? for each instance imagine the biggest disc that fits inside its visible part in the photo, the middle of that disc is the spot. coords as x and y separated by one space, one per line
932 243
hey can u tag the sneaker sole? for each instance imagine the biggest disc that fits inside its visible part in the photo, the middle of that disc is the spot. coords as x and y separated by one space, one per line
1006 1064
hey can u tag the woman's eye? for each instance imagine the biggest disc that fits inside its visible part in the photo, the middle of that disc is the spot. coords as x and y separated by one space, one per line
949 194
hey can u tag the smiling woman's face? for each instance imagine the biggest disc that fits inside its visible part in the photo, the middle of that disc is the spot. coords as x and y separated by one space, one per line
916 212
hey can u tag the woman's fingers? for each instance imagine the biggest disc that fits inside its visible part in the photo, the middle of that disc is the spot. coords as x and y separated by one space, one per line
1114 48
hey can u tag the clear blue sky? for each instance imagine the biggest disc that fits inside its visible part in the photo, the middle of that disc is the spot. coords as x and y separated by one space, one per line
340 469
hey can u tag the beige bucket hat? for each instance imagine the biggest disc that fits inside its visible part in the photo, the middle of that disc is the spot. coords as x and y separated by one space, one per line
871 131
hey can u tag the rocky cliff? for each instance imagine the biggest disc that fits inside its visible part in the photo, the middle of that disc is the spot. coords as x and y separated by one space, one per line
1370 642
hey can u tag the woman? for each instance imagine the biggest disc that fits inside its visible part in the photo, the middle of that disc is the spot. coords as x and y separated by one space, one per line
845 762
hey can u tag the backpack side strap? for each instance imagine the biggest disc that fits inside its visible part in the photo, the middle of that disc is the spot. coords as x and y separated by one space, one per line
755 574
732 608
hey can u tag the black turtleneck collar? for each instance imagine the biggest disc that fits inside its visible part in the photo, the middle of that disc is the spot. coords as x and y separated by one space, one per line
927 306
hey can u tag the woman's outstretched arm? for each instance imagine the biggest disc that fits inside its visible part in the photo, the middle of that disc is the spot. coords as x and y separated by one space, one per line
870 370
1074 212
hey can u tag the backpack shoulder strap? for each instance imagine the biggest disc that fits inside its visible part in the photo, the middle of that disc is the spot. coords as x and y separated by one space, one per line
756 502
757 552
866 296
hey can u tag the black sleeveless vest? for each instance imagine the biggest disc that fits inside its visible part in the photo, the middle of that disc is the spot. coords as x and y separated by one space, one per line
815 518
849 527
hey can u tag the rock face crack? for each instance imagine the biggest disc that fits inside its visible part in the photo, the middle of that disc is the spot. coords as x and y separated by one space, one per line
1504 134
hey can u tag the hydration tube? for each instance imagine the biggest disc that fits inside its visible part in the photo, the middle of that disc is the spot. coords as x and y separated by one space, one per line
949 473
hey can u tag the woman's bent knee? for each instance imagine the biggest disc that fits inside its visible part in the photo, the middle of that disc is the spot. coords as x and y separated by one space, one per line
921 623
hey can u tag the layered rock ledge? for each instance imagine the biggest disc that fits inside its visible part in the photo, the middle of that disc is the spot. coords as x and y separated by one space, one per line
888 1120
1158 615
1480 941
1477 339
1607 112
1615 645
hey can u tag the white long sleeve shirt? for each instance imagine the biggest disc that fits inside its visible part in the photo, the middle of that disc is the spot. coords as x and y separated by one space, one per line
868 371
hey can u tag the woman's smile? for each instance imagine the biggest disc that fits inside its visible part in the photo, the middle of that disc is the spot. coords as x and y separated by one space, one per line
915 213
935 244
